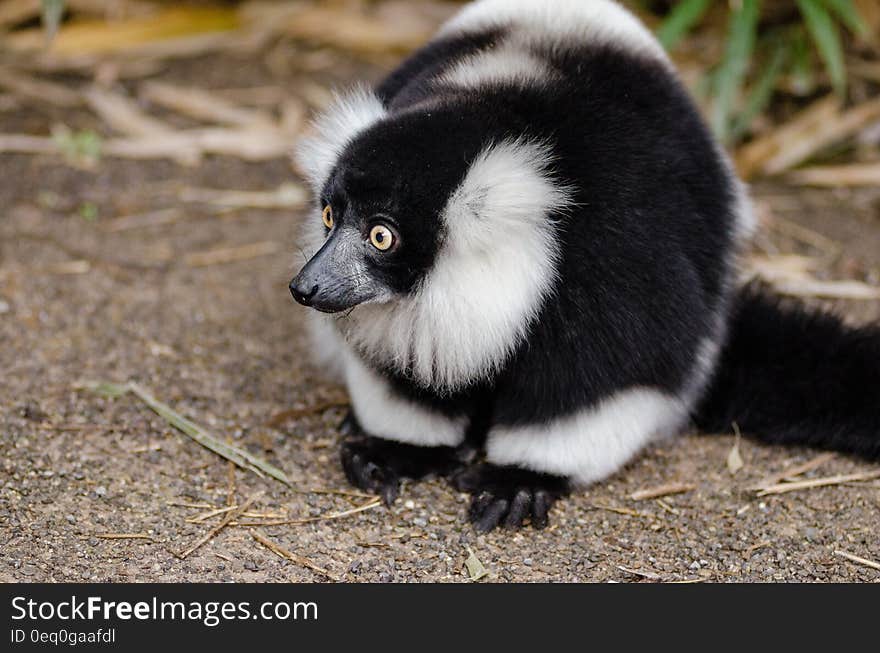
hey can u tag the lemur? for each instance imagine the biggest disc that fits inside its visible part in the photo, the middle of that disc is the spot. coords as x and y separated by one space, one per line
524 265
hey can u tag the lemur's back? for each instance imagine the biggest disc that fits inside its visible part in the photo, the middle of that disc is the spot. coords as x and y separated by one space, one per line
653 205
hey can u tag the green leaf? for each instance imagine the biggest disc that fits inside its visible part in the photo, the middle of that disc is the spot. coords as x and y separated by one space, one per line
83 146
763 89
105 389
850 16
53 10
680 21
803 76
825 35
475 568
88 211
729 76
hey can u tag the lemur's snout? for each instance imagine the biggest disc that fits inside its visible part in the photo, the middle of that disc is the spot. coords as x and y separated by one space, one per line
303 292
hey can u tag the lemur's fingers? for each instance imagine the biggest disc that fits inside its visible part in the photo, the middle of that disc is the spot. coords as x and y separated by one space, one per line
390 491
520 508
493 514
541 504
368 475
479 505
508 496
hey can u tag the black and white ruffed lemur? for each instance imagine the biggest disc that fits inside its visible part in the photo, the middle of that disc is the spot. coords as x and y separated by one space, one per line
524 262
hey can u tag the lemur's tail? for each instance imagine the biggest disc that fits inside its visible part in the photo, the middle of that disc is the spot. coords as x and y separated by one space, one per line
793 375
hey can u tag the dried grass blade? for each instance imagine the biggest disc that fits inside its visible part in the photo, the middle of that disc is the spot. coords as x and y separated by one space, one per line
227 520
204 105
782 488
797 470
662 491
858 560
240 457
124 115
231 254
288 555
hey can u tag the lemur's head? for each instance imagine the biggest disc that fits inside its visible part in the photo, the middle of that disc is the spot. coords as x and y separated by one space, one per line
378 218
432 228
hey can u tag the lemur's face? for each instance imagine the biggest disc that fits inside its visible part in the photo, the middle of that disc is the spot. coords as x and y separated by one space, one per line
370 251
380 212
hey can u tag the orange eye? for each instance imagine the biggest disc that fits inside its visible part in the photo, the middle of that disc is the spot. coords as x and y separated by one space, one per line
327 217
381 237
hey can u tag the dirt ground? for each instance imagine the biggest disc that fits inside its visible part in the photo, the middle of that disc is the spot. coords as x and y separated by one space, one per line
223 344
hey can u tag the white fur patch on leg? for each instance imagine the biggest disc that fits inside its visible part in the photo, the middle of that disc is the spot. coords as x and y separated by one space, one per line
385 414
492 273
584 22
594 443
347 116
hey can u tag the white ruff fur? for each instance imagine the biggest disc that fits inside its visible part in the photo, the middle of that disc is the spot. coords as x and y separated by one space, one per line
591 444
347 116
492 272
384 414
545 23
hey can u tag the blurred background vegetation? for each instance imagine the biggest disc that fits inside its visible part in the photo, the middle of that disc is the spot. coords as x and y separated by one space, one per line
781 82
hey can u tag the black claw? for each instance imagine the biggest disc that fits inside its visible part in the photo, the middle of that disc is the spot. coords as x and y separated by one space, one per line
390 492
492 516
357 467
519 509
540 507
345 456
479 505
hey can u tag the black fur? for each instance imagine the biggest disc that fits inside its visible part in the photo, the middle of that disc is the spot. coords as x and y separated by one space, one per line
644 247
793 375
410 82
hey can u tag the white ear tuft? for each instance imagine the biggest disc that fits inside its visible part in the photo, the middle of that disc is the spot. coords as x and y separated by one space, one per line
348 115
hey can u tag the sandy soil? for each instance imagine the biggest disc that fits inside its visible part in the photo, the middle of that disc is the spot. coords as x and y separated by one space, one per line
223 344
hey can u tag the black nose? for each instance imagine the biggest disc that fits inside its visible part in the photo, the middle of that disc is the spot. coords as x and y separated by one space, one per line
301 293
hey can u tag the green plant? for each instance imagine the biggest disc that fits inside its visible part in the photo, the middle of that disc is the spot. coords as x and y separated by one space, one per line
53 10
756 57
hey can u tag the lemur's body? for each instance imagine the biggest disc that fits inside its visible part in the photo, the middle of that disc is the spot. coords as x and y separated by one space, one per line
558 283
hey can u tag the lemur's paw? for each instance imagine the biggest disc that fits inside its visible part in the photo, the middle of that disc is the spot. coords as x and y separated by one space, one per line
365 470
378 465
507 496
